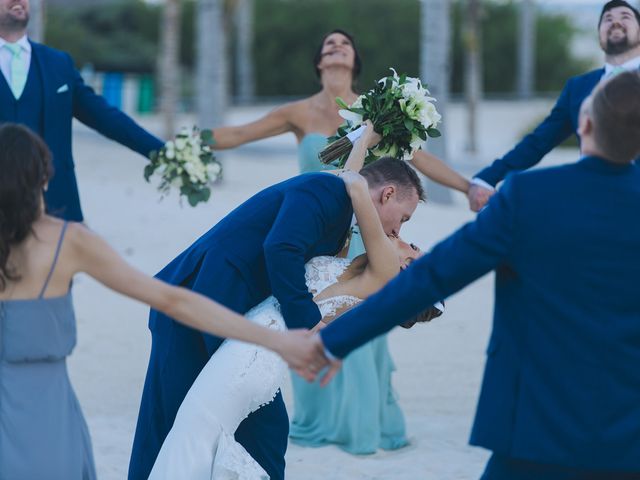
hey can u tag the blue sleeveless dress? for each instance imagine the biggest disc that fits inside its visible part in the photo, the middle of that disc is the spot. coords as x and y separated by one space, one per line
43 434
358 410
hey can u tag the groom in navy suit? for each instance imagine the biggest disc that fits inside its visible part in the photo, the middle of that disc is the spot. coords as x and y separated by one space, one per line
41 88
560 397
259 249
619 35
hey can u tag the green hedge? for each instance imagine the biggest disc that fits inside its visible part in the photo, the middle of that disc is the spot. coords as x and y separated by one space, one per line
125 37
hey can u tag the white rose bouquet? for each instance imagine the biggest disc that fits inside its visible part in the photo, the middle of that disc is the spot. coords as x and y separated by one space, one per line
401 111
186 163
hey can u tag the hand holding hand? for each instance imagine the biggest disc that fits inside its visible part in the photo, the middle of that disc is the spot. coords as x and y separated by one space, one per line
303 351
478 197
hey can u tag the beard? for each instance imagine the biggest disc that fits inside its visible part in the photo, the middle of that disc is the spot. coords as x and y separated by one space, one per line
619 46
14 23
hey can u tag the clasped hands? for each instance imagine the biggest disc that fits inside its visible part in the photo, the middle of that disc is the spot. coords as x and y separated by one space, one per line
304 352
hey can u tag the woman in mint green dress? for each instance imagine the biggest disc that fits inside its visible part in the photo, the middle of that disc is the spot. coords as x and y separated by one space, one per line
358 411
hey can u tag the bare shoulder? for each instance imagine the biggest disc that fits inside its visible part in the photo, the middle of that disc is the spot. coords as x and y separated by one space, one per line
290 109
47 229
298 110
80 238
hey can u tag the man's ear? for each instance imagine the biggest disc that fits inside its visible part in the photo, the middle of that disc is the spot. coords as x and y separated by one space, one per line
387 193
585 123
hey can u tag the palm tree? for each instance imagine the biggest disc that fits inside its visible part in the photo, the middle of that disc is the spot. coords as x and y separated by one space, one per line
435 43
526 47
472 72
211 63
36 20
243 13
169 65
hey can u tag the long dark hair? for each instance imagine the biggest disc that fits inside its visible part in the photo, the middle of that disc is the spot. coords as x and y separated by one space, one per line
25 166
357 61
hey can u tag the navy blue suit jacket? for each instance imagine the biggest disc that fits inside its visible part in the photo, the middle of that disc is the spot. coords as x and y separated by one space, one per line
555 129
562 378
264 245
77 100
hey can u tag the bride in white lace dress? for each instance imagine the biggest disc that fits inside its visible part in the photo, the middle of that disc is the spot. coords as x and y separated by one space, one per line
201 444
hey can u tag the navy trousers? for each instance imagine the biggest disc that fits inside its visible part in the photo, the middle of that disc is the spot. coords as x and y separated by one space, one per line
500 467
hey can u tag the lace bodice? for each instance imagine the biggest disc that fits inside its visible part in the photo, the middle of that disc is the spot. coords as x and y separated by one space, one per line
322 272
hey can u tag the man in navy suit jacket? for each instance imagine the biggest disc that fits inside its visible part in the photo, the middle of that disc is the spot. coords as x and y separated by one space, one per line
259 249
561 392
42 89
619 34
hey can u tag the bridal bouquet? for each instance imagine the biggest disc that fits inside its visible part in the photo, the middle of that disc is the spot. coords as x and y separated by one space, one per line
186 163
401 111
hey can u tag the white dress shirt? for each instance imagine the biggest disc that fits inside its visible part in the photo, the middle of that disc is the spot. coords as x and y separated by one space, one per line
629 65
6 56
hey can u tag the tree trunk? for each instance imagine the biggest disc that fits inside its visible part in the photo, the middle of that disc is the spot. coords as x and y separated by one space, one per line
36 20
472 72
435 44
211 64
526 48
169 66
244 50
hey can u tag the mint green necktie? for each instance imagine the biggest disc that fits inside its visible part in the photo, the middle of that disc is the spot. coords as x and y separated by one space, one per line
616 71
18 69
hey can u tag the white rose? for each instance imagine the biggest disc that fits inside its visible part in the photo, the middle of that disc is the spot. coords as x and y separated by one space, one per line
429 116
170 154
214 170
180 143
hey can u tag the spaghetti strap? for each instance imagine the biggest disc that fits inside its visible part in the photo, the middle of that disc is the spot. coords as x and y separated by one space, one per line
55 259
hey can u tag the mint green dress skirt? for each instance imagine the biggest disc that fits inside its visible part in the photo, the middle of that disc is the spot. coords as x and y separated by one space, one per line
358 411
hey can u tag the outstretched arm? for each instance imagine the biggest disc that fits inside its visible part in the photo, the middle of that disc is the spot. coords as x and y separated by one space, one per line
438 171
556 128
276 122
95 257
94 111
382 258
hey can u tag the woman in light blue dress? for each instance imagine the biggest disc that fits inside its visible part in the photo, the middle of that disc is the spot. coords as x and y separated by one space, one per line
43 434
358 411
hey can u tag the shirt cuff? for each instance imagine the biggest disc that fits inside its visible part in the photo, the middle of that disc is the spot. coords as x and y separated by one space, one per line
481 183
